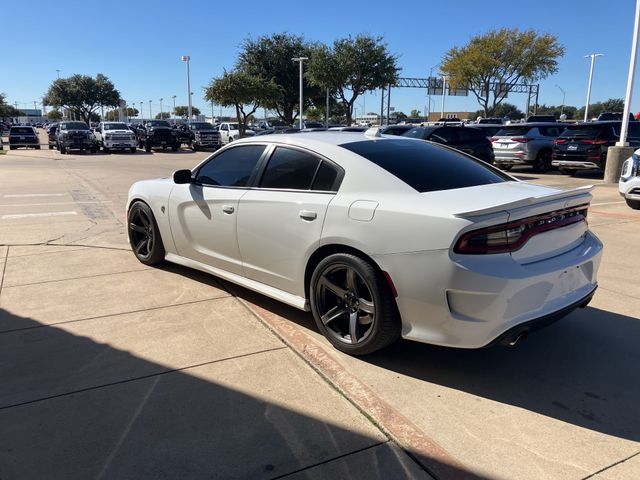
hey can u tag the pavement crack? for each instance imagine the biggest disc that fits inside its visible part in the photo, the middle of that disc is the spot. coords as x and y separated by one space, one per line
611 466
4 268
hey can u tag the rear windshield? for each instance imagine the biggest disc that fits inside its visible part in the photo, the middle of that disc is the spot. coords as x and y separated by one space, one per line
587 131
427 167
518 130
21 130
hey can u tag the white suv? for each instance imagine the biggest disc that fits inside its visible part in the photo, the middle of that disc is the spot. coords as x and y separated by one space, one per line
115 135
629 184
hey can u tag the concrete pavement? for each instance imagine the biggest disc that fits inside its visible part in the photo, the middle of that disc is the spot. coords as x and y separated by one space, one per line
104 355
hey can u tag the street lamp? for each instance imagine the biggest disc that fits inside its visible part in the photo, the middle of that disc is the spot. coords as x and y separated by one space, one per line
161 108
174 106
593 59
632 68
429 88
141 116
58 72
150 114
187 58
300 60
563 94
444 90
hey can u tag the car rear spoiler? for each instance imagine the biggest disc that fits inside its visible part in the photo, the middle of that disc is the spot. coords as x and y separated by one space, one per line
580 193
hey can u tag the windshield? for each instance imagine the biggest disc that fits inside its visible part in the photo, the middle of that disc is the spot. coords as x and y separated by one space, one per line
74 126
201 126
115 126
158 123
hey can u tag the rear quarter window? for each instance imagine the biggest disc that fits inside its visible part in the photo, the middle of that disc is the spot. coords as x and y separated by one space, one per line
426 167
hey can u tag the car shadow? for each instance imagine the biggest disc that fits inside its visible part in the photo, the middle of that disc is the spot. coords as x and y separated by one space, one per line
583 370
85 409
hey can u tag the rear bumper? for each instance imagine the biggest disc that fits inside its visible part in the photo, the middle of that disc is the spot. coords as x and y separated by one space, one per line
472 302
578 162
515 157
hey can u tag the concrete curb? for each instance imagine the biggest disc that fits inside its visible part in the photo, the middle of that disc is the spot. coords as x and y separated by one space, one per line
431 456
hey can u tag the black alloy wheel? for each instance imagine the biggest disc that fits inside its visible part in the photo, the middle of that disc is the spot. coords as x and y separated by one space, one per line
542 162
144 235
353 305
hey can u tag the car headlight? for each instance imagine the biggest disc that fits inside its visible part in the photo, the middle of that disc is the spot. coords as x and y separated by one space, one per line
630 168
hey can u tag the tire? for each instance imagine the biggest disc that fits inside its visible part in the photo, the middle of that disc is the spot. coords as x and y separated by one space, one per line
567 171
506 168
144 234
230 139
175 147
362 302
542 163
133 149
50 147
194 147
105 149
94 149
12 147
635 204
62 149
147 146
37 147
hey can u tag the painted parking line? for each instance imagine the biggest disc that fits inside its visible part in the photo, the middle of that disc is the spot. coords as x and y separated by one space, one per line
21 195
607 203
31 215
9 205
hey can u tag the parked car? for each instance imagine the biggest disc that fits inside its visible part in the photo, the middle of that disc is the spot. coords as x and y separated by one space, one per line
465 139
526 144
395 129
75 136
380 237
203 135
157 134
629 184
115 136
541 119
22 136
230 131
608 116
488 129
491 121
51 135
584 146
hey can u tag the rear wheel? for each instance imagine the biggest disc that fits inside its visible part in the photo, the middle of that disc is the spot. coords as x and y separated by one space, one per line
50 147
147 146
194 147
352 305
175 147
133 149
144 235
105 149
635 204
37 147
62 149
12 147
542 162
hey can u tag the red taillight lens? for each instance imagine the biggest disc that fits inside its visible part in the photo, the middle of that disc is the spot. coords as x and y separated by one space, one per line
560 140
511 236
593 141
521 139
493 139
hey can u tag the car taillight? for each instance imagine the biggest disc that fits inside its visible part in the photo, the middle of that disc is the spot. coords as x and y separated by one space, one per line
521 139
560 140
593 141
494 139
511 236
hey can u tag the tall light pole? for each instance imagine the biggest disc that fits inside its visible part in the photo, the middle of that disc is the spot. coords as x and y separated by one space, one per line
300 60
444 90
141 116
593 59
58 72
187 58
161 108
632 69
563 95
150 114
174 106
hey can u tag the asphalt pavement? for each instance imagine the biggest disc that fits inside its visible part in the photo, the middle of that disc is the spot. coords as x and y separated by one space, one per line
111 369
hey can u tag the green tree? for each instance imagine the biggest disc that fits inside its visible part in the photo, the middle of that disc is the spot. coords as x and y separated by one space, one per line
246 93
400 116
595 109
163 115
502 57
269 58
54 114
353 66
414 113
183 111
502 110
7 110
82 94
557 110
114 115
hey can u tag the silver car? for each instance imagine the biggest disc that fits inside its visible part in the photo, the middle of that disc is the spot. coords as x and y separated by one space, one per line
629 184
526 144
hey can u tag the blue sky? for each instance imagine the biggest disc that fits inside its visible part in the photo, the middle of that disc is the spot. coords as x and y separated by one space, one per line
138 44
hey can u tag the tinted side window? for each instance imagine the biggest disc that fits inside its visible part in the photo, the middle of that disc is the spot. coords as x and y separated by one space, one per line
231 168
325 178
444 135
550 131
289 168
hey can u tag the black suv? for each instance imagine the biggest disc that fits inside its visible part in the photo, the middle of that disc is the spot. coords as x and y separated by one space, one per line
157 134
203 135
23 136
75 136
51 133
584 146
466 139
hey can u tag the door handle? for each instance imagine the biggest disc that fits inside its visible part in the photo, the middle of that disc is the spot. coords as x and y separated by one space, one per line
228 209
308 215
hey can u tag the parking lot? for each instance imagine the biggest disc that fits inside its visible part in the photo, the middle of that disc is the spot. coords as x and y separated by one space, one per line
109 366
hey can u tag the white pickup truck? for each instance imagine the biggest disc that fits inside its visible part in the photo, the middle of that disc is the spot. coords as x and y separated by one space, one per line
115 135
230 132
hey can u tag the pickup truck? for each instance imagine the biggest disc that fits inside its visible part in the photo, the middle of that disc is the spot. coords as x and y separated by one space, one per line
230 132
157 134
115 135
203 135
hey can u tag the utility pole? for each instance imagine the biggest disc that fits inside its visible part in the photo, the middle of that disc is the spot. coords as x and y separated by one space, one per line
593 59
58 72
563 95
444 90
161 117
150 114
300 60
187 59
174 106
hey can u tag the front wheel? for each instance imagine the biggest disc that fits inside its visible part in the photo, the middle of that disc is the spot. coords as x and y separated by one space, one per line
62 149
147 146
635 204
352 305
37 147
175 147
144 235
133 149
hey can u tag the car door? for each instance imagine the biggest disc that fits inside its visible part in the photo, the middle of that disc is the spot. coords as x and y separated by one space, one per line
203 213
280 221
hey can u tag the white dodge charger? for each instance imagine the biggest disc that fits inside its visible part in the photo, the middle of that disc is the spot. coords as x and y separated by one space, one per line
380 237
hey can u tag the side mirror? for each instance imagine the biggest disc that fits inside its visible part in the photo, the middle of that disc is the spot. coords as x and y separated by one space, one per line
182 176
